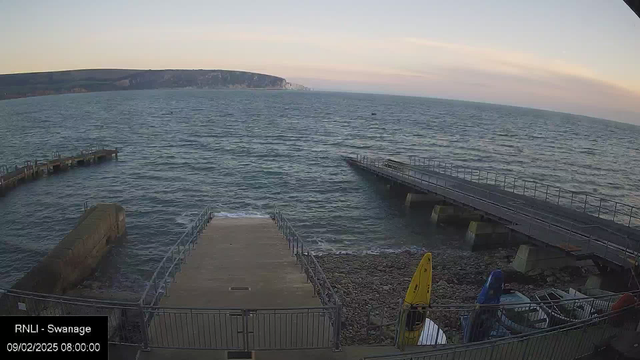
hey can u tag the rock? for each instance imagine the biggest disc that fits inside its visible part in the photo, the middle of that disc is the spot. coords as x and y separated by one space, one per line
548 273
470 295
379 281
535 272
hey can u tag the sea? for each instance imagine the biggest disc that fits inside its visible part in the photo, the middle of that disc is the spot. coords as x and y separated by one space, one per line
243 152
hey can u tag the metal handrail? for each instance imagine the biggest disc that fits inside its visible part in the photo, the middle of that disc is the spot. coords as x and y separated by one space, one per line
635 293
573 228
315 275
573 224
510 183
436 312
69 299
297 246
55 155
169 266
378 163
231 308
448 349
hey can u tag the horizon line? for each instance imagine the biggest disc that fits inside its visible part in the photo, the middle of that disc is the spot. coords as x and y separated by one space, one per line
364 92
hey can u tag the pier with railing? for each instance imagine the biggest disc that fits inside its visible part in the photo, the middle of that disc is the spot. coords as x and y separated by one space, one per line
578 224
252 284
12 176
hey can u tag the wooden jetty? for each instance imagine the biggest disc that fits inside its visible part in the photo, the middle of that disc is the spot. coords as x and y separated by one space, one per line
10 178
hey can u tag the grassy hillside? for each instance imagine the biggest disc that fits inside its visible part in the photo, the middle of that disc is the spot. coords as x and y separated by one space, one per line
61 82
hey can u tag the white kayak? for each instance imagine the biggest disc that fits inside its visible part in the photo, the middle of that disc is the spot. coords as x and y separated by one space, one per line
600 300
431 334
564 307
522 316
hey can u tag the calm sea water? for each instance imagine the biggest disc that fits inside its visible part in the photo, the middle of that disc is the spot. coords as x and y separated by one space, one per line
245 151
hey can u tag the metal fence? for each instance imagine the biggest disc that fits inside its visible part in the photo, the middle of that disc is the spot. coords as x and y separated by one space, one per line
147 324
581 201
307 261
315 275
565 342
241 329
437 325
77 152
615 247
126 319
172 262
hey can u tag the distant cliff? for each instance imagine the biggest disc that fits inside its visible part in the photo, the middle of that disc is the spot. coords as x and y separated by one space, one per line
76 81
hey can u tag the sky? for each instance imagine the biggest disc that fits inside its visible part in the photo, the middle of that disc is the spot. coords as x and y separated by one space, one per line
577 56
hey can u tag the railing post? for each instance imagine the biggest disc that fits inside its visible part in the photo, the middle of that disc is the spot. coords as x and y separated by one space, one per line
584 208
630 216
615 210
143 328
535 189
493 346
546 194
245 328
599 207
571 204
337 326
400 328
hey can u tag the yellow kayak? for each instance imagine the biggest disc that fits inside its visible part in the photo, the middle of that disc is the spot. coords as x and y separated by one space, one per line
416 301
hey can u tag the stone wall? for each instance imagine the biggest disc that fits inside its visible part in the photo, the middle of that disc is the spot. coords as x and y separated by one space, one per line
78 254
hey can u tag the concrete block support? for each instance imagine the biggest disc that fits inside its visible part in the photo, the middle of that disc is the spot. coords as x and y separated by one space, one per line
595 282
486 235
413 198
452 214
612 281
531 257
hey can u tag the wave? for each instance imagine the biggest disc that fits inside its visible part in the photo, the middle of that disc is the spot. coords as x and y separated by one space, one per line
248 214
186 218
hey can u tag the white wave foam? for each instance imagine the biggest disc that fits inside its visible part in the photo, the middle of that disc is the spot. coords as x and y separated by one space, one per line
186 218
249 214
